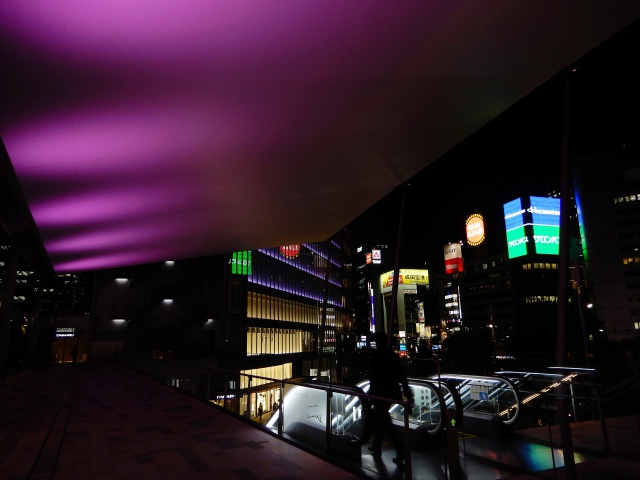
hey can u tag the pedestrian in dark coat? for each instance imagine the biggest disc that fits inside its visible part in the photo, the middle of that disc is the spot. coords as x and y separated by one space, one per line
388 380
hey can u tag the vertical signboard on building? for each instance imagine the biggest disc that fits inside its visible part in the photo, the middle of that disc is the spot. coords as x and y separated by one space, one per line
241 263
453 263
514 222
545 217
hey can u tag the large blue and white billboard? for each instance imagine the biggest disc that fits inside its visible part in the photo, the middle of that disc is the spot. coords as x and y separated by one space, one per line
532 226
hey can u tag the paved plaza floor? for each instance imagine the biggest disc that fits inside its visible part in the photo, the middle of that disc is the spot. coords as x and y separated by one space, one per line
99 422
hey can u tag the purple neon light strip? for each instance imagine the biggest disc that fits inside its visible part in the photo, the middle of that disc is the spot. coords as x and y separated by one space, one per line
290 261
317 298
322 254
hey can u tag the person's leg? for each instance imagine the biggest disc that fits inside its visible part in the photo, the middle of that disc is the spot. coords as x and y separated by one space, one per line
378 412
397 442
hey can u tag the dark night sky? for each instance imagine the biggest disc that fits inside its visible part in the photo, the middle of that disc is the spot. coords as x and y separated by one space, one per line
518 153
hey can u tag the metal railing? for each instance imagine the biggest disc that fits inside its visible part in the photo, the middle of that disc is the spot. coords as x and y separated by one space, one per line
328 419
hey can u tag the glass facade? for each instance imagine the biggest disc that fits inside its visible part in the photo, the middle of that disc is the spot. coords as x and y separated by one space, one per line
297 302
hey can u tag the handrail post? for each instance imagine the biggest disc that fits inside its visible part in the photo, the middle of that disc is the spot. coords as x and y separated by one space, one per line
407 442
208 385
328 427
226 389
249 397
281 410
573 401
453 450
603 426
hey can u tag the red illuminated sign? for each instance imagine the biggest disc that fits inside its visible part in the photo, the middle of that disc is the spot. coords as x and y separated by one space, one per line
290 251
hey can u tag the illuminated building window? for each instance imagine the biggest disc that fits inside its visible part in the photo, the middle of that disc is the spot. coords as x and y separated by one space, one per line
541 299
636 325
273 308
274 341
277 372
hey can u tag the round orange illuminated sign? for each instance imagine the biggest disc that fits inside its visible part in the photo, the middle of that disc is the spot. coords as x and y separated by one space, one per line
475 229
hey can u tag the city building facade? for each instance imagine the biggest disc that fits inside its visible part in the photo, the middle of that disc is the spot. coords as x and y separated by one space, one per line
272 313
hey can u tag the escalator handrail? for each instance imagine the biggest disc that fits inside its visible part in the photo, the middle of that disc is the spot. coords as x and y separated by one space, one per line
455 395
494 378
434 389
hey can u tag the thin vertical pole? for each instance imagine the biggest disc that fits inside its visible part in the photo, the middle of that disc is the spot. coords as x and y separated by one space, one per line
396 268
563 268
408 474
325 300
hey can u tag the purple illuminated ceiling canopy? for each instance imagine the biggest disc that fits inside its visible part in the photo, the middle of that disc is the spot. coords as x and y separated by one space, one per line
142 131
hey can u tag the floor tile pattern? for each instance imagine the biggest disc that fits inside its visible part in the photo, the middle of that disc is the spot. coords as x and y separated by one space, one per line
108 422
99 422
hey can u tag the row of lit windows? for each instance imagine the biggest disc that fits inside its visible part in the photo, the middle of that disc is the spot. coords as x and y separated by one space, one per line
486 266
541 299
490 286
279 341
626 199
630 260
540 266
268 307
276 372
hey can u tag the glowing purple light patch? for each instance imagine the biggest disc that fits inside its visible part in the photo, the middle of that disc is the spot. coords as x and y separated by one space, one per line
95 138
192 124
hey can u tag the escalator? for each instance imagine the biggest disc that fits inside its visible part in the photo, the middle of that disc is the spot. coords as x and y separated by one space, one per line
319 414
491 404
540 390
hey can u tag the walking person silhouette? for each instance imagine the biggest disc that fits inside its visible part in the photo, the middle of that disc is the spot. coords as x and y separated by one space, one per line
387 380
